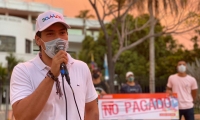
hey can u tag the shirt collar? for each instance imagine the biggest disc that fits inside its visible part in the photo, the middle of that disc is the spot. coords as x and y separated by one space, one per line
70 59
39 63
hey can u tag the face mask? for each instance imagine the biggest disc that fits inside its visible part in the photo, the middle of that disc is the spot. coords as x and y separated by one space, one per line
181 68
51 48
95 75
131 79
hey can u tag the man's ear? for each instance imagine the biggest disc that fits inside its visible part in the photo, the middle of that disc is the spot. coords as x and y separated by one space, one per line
37 40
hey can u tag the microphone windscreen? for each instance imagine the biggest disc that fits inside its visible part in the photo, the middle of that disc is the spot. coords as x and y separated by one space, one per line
60 45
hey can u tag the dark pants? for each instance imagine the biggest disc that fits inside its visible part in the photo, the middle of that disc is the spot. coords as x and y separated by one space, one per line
187 113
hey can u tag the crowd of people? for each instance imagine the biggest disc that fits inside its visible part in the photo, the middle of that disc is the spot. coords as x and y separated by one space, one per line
38 85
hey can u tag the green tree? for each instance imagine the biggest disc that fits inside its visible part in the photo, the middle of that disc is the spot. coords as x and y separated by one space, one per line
12 61
194 70
119 15
135 59
195 40
154 9
192 54
3 77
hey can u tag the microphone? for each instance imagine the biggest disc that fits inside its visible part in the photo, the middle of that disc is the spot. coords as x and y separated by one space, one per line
61 45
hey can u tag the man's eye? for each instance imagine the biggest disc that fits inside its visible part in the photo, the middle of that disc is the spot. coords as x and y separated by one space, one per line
49 33
64 32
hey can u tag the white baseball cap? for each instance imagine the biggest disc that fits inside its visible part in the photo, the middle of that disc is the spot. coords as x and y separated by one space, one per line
129 73
46 19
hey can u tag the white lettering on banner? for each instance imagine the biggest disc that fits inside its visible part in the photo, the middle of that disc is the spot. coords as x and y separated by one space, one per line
156 108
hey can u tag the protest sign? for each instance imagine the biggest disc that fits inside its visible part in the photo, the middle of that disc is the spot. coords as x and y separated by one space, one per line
158 106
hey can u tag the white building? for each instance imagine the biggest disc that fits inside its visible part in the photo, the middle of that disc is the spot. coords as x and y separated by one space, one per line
17 29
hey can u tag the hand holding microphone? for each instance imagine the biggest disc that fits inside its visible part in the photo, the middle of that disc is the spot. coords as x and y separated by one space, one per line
62 45
60 57
59 62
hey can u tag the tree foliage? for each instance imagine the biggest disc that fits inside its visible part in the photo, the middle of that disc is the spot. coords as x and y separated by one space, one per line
5 72
12 61
167 53
119 10
194 70
84 14
3 75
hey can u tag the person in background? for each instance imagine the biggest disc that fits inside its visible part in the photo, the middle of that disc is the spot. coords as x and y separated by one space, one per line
36 91
130 86
100 86
186 88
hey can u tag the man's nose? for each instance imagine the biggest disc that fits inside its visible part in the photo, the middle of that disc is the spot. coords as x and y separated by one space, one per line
57 35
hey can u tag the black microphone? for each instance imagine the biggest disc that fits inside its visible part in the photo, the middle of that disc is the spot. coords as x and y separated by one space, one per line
61 45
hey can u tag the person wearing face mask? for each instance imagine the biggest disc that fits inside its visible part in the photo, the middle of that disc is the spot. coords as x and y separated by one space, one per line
36 91
131 86
186 88
100 86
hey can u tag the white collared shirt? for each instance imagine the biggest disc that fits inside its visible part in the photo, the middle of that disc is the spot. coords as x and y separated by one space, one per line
27 76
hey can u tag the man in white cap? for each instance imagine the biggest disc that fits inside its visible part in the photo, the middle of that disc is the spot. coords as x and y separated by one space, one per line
131 86
36 92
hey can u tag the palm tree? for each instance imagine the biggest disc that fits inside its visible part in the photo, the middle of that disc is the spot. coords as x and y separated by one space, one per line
84 14
119 9
12 61
153 9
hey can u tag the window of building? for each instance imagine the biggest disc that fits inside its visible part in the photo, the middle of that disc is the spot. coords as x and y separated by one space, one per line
96 33
28 46
75 32
7 44
89 33
35 47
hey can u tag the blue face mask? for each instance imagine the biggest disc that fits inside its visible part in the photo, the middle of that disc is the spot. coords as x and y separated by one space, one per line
50 47
131 79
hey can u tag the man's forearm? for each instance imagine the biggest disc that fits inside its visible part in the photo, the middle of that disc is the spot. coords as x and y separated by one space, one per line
194 94
30 107
91 110
168 89
92 116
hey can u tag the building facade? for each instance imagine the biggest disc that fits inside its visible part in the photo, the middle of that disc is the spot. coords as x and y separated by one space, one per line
17 29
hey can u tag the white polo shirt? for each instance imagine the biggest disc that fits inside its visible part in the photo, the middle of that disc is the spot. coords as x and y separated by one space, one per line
27 76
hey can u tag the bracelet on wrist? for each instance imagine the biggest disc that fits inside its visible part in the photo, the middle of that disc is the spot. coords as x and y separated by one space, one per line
50 74
58 88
